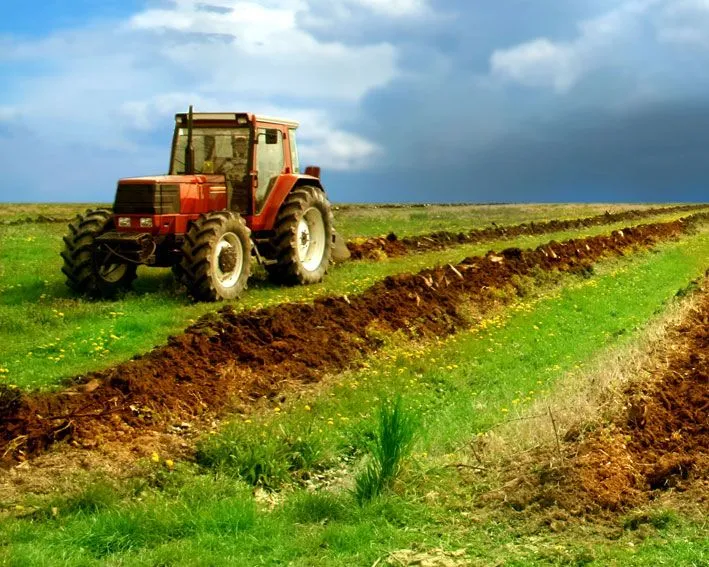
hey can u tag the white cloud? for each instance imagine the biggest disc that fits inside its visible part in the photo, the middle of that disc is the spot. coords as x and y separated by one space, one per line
684 22
321 143
560 65
395 7
108 84
538 63
687 6
8 113
262 50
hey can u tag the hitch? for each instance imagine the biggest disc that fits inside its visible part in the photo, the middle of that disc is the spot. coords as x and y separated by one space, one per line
134 248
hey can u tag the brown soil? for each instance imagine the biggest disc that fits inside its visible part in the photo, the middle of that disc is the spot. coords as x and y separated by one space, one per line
659 441
392 245
236 358
662 441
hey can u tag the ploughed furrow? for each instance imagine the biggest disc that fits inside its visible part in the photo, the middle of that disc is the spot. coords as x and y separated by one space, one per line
235 358
662 441
392 245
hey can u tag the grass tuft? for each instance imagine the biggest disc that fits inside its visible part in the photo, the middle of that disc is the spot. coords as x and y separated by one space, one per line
391 446
658 519
94 497
316 507
265 460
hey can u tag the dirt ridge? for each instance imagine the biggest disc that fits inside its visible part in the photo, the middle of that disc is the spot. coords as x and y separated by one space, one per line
39 219
662 440
238 357
392 245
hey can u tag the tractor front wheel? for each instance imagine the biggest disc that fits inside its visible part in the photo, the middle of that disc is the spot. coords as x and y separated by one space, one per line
303 238
86 272
216 257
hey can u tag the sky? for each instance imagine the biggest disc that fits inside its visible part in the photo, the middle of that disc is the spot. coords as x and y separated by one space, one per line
398 100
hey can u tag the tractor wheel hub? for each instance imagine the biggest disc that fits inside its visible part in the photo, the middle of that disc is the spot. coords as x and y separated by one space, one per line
304 237
227 260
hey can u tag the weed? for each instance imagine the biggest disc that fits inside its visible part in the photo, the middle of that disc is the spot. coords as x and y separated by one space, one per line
267 459
96 496
659 519
316 507
391 446
687 290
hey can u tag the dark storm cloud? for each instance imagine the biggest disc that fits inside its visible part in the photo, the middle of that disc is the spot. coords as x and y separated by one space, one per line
632 123
656 153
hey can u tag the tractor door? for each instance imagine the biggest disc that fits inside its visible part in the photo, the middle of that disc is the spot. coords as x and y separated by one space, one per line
270 162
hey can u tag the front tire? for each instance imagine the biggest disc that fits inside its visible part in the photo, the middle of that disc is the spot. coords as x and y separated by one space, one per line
85 272
216 257
303 238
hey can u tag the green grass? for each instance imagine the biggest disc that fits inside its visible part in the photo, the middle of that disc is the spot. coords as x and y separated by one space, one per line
205 515
266 459
46 334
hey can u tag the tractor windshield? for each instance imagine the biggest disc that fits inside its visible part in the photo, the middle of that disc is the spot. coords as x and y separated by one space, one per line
216 150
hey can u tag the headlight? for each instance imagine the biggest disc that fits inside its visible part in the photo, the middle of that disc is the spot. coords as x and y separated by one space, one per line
124 221
146 222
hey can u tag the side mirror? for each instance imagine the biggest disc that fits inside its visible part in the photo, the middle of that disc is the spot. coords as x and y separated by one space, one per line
271 136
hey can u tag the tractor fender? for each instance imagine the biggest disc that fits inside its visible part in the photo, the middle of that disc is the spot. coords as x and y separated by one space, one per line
285 183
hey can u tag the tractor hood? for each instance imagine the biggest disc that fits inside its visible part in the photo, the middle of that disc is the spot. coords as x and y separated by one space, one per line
170 194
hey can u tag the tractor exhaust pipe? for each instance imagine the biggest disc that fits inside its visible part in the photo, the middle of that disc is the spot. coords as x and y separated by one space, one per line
189 150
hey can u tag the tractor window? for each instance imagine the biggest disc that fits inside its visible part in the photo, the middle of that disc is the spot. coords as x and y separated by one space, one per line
270 166
293 151
216 150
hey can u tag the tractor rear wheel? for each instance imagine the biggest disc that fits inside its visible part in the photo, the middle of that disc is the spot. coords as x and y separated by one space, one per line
216 257
303 238
85 272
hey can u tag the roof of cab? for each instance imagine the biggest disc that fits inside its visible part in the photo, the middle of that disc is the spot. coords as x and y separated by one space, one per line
233 115
274 120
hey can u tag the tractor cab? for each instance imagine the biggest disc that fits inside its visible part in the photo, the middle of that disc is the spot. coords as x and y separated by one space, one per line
247 153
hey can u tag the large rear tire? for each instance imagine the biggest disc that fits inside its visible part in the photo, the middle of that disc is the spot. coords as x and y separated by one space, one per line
303 238
85 272
216 257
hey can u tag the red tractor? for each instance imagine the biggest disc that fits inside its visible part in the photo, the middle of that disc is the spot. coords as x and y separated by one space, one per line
234 191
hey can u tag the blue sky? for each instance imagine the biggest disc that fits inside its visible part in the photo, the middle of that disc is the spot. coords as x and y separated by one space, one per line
399 100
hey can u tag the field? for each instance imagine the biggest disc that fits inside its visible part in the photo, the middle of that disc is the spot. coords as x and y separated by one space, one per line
478 385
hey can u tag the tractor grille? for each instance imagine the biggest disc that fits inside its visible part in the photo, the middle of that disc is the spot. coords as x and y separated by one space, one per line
147 198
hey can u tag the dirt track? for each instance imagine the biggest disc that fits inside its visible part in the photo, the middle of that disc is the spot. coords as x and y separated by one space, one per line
238 357
375 248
